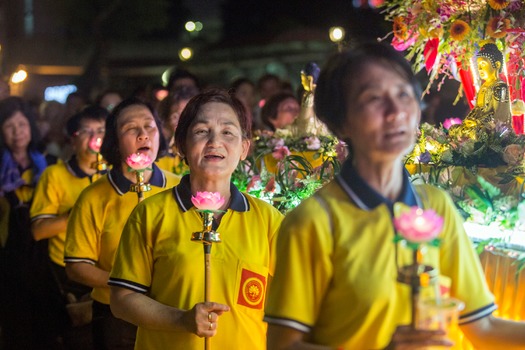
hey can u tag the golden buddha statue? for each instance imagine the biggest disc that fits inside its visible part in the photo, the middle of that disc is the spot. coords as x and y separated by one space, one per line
492 100
307 123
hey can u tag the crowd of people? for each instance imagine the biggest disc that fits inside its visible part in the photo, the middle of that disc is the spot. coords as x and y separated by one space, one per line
324 277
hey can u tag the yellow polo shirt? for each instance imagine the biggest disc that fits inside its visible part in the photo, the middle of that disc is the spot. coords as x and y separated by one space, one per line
336 275
96 221
157 257
55 194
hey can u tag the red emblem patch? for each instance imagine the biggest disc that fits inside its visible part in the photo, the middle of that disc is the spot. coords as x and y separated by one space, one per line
252 289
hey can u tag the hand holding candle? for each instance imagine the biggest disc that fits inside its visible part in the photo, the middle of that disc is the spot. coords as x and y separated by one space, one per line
416 227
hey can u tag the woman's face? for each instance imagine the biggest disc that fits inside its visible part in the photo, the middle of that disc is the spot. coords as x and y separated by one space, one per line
214 142
175 112
382 115
246 94
88 129
287 112
137 132
16 132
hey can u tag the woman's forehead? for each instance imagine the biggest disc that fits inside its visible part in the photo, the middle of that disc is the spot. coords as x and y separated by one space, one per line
216 111
133 114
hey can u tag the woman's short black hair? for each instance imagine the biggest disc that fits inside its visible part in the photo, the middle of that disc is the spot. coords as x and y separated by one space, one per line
271 107
240 81
180 93
110 145
8 107
341 71
89 113
193 107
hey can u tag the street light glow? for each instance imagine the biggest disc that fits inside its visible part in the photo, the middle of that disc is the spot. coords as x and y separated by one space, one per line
337 34
19 76
185 53
190 26
198 26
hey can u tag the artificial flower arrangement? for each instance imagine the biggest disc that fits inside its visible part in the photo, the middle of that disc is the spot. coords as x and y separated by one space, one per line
294 177
443 35
294 180
437 154
493 145
282 143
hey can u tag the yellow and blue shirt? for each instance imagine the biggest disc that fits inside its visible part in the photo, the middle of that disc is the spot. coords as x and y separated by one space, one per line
96 221
157 257
55 194
337 265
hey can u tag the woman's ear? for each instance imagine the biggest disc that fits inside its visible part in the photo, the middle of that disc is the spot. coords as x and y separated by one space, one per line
245 148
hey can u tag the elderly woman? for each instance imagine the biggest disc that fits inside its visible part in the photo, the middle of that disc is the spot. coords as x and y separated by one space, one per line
335 282
96 221
170 111
158 276
280 111
21 270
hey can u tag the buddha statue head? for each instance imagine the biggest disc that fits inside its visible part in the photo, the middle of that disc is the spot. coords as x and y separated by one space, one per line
490 61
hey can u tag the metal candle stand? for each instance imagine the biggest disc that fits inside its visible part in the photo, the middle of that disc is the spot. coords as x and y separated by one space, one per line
207 236
100 164
416 276
140 187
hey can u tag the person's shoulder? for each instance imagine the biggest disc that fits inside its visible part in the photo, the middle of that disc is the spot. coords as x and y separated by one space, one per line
437 198
100 188
162 196
430 190
255 202
57 168
171 178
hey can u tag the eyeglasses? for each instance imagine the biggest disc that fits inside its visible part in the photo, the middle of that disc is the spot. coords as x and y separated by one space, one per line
90 132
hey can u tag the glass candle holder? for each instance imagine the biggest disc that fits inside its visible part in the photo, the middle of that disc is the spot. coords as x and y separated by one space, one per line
440 314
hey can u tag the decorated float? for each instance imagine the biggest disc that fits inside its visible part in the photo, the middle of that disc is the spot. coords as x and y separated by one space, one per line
478 160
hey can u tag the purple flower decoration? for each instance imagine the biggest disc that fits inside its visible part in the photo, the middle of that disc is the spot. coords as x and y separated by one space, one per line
425 157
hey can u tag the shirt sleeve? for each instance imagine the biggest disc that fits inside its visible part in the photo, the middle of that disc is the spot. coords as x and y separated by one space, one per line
45 199
84 230
304 269
133 265
460 262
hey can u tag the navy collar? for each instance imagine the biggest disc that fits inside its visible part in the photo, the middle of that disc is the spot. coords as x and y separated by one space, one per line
121 184
366 197
74 169
182 195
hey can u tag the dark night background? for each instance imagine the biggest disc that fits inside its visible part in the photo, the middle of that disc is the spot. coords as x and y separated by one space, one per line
121 44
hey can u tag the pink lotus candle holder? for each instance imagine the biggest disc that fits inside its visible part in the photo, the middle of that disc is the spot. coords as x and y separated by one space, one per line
139 163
